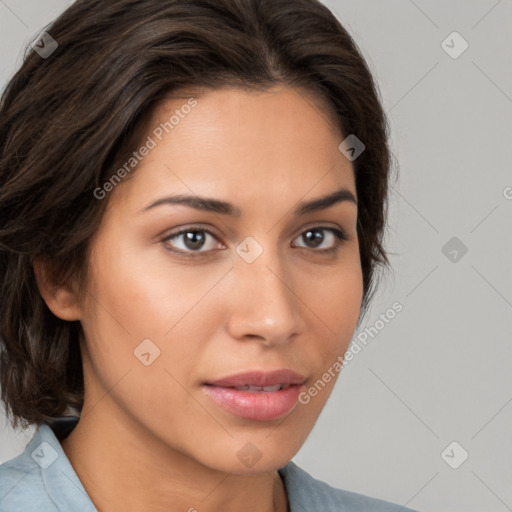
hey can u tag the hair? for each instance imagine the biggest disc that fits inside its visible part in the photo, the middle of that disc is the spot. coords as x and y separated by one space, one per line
68 119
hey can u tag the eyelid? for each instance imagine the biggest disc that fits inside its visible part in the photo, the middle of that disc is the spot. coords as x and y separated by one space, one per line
187 229
339 233
325 226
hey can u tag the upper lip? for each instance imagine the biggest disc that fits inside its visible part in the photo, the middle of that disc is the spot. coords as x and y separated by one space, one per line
259 378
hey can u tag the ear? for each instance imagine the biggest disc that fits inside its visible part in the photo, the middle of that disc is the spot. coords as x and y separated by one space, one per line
63 301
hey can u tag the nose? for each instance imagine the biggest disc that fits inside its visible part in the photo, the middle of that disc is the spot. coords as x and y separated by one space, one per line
263 303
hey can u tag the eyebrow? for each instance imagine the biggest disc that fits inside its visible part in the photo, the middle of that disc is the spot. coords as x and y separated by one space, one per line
222 207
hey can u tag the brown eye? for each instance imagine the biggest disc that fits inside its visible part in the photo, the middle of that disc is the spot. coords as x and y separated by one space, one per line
191 240
314 238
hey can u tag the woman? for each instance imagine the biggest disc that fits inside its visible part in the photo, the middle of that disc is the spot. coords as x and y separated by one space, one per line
193 197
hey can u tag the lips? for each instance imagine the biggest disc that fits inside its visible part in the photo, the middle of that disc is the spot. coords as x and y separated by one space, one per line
257 395
260 379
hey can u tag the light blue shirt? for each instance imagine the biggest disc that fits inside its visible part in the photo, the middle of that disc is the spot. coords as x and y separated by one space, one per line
41 479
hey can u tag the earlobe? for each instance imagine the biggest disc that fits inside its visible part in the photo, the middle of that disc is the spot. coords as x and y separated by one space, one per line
62 300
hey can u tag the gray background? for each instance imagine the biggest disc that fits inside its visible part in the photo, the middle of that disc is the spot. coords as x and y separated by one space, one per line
440 370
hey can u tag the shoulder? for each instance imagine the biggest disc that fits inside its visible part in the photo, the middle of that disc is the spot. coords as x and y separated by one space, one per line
22 486
308 493
42 478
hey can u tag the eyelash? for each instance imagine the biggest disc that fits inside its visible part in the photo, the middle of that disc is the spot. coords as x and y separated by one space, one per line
340 235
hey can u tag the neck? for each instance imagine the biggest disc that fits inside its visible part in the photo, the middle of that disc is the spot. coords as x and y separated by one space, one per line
123 467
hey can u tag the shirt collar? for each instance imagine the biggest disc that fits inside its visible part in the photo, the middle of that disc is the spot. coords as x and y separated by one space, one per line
61 482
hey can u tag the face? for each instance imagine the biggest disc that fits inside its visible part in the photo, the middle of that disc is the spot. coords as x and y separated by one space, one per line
182 296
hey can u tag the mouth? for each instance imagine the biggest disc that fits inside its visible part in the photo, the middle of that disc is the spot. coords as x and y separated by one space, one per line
257 395
252 389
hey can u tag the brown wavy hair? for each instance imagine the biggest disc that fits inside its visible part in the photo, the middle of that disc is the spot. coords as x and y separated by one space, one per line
67 120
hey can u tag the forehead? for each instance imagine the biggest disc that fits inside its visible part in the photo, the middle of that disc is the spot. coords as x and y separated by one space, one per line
229 141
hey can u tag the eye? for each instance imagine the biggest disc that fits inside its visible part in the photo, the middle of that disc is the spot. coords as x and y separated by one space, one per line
315 237
192 240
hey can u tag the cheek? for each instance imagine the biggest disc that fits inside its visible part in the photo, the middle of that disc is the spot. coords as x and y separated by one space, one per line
138 297
137 310
335 299
336 311
146 292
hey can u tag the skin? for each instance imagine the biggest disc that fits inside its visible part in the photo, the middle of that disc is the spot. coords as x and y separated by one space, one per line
148 437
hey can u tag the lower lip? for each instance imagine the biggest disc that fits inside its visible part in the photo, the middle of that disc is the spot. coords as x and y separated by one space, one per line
255 405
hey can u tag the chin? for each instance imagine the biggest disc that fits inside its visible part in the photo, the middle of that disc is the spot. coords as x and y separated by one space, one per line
259 452
250 460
